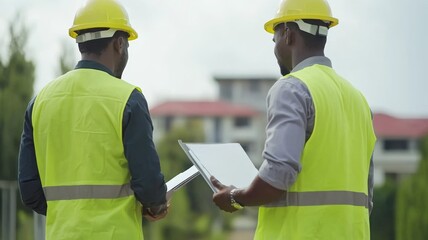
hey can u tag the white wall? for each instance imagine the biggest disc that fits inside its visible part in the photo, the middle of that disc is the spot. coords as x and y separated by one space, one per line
395 162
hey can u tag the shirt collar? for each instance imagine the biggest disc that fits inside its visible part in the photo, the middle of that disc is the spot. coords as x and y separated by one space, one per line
321 60
93 65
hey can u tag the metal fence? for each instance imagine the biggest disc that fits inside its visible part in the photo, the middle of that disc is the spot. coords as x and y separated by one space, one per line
39 226
8 198
9 191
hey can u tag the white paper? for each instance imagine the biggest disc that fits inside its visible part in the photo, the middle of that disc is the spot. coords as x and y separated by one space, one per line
182 179
227 162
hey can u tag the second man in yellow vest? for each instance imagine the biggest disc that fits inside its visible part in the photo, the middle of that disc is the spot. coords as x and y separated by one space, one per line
317 177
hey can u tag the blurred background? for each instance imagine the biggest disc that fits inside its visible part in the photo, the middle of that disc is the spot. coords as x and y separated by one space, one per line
205 68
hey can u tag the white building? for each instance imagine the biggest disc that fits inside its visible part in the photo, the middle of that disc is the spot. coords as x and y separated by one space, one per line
246 91
221 121
240 116
397 151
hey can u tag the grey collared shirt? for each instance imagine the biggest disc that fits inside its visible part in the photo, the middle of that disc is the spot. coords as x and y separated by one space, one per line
291 115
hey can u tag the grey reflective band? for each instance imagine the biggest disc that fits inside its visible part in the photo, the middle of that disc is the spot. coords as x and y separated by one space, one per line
87 192
312 29
322 198
95 35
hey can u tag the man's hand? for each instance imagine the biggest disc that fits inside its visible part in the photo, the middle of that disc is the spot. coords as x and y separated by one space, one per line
222 197
156 213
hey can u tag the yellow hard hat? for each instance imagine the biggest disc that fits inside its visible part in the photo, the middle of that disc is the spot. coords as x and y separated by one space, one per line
291 10
102 14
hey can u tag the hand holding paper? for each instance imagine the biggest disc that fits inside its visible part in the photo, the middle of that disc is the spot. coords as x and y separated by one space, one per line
221 165
222 197
228 162
159 212
156 213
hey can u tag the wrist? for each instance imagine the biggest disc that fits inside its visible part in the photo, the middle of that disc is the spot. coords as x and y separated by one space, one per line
155 210
233 201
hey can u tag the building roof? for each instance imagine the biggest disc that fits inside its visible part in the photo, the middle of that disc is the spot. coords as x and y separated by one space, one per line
385 125
202 109
243 78
389 126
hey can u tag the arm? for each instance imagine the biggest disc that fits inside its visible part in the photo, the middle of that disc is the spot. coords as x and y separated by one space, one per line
147 181
259 193
289 106
370 185
370 181
30 185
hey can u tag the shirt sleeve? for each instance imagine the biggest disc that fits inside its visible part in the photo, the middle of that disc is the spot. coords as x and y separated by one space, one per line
288 111
370 185
147 181
30 185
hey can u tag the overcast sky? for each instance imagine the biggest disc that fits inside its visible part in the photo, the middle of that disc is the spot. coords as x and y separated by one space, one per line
379 46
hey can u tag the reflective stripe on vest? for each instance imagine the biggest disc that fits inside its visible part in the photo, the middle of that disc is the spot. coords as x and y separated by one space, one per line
87 192
322 198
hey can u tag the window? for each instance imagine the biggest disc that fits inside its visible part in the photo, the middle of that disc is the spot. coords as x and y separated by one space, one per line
395 144
217 129
255 86
242 122
226 90
168 123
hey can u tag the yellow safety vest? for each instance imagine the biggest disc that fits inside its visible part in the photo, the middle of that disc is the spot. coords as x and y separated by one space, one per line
329 199
77 122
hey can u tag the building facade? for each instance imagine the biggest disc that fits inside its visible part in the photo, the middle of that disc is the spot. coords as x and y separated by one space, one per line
397 152
240 116
222 122
246 91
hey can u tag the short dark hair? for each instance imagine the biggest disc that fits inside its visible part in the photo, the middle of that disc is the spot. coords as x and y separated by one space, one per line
98 45
311 41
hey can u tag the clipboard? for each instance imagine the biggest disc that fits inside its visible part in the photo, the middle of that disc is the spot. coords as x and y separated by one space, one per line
227 162
181 179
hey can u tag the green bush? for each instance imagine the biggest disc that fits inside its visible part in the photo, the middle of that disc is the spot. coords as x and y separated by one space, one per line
412 202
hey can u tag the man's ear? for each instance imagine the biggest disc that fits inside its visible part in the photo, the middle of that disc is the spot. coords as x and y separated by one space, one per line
119 44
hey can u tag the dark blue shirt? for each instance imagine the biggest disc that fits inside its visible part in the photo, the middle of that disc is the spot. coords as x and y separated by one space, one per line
147 181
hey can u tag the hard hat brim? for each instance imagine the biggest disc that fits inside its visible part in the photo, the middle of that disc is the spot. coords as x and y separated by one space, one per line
270 25
132 33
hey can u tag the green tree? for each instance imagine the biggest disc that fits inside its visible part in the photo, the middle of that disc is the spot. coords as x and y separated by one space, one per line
16 90
192 214
382 218
412 200
17 74
66 58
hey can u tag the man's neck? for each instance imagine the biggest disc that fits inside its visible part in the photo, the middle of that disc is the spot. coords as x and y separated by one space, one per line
302 55
99 59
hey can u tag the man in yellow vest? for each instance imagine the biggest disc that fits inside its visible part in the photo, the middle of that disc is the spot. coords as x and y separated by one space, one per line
317 176
87 159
